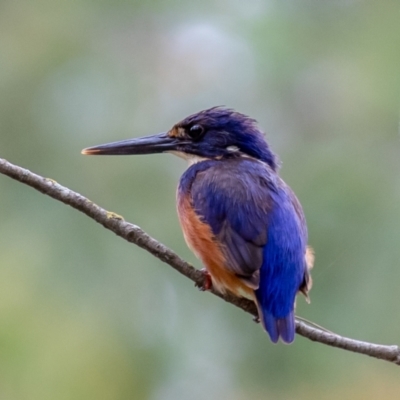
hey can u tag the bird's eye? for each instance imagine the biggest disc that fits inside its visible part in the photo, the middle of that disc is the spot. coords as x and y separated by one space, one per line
196 131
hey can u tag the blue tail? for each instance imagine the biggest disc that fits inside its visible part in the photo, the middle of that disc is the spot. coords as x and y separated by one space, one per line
283 268
283 328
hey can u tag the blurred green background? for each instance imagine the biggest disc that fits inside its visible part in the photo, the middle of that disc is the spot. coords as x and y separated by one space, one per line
85 315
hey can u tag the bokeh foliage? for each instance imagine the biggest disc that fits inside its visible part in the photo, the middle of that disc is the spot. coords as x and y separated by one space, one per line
84 315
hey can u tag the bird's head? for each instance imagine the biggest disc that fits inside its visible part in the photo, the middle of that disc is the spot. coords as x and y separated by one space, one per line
216 133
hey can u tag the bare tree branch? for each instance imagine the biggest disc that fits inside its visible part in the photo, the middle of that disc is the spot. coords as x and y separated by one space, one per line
132 233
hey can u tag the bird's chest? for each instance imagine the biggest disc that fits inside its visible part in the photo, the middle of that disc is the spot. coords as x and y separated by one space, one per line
201 241
197 234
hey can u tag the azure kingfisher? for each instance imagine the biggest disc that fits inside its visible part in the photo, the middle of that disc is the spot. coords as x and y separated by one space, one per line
237 215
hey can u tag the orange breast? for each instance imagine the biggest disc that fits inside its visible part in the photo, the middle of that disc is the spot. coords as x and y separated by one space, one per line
201 241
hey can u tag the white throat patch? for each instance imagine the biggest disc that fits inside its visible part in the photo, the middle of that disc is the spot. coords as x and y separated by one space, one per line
190 158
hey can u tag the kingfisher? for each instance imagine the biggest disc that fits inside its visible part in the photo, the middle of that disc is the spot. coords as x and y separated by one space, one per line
238 216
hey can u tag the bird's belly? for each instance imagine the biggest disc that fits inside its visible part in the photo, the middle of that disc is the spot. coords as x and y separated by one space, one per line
200 240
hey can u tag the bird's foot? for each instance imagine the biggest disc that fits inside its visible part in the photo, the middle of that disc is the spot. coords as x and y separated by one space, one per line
256 319
207 281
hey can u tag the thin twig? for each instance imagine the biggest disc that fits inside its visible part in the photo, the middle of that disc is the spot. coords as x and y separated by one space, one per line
132 233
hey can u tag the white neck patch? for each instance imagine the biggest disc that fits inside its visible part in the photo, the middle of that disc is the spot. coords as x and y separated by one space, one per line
233 149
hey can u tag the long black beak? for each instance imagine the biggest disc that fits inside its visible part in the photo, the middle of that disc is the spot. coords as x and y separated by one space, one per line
145 145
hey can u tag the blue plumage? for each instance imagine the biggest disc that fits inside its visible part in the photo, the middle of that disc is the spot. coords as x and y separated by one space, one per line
237 214
227 128
252 214
284 267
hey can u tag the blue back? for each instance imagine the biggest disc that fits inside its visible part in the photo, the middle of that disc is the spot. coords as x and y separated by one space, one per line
257 219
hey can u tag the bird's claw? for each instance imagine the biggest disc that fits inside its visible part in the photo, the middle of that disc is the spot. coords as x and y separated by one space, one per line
207 281
256 319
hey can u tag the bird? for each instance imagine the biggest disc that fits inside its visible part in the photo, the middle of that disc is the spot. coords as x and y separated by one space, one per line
238 216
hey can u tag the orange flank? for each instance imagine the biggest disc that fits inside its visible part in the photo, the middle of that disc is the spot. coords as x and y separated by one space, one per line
200 240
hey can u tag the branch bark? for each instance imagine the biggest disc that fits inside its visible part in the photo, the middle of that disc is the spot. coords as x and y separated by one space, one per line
134 234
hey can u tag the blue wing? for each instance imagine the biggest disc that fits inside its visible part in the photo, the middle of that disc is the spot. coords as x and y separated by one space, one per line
258 221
